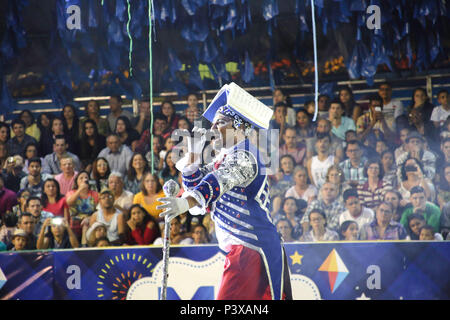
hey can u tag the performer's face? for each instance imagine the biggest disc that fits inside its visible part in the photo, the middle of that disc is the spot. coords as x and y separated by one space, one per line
221 124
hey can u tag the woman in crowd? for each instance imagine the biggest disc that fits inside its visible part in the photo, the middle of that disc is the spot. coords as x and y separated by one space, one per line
415 224
177 236
411 175
303 126
184 123
336 175
3 155
82 201
199 234
318 230
91 143
419 123
31 151
142 228
420 100
52 199
93 112
100 173
168 145
395 198
22 197
58 236
136 171
31 127
47 140
443 188
348 231
168 109
371 193
351 108
291 210
383 227
302 189
71 122
5 132
151 190
43 122
169 172
389 167
279 95
284 178
127 134
284 228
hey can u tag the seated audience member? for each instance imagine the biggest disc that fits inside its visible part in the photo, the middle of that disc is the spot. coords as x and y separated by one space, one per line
392 108
93 113
284 228
283 179
441 112
301 189
19 139
353 167
142 120
336 175
415 144
349 106
176 235
395 198
445 220
5 133
3 155
67 177
142 227
328 203
95 232
389 167
117 155
412 175
421 105
123 199
442 160
323 107
168 109
127 134
151 190
158 163
22 197
304 127
318 230
91 143
8 198
13 173
372 191
356 211
82 202
34 206
27 223
52 199
137 168
429 210
293 148
160 128
169 172
415 222
100 173
31 151
169 144
56 234
111 217
43 122
102 242
349 231
339 123
200 234
71 123
426 233
383 227
10 221
443 188
19 240
318 165
291 210
335 144
34 181
48 138
52 161
279 95
115 104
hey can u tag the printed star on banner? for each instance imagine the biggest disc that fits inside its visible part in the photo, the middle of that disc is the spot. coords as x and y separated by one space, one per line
296 258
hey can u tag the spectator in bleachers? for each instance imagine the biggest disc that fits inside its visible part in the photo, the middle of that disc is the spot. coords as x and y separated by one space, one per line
8 225
127 134
13 173
279 118
389 167
52 199
34 180
372 125
123 199
100 173
329 204
142 120
31 127
200 235
426 233
31 151
27 223
91 143
318 165
117 155
51 163
19 240
67 176
184 123
290 146
137 168
339 123
48 140
392 108
367 150
8 198
356 210
424 127
421 101
168 146
284 228
411 175
353 167
158 163
160 128
443 188
383 227
43 123
82 201
56 234
34 206
349 106
151 190
336 176
5 132
141 227
284 178
279 95
168 109
193 113
291 209
443 158
395 198
111 217
3 155
115 105
349 231
310 107
324 128
319 230
93 113
302 189
372 191
445 220
96 231
322 106
403 134
177 236
22 197
304 128
420 205
442 111
169 172
16 145
71 124
380 146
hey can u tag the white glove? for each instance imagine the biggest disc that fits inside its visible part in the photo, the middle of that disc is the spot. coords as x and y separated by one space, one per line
173 207
197 142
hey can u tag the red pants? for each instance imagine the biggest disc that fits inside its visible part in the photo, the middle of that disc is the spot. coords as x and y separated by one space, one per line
245 277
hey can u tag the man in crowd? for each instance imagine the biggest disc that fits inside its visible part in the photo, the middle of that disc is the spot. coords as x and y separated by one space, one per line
318 165
13 173
123 199
34 181
441 112
51 164
324 127
115 104
34 206
339 123
290 146
392 108
142 121
355 210
66 178
160 128
353 167
117 155
17 144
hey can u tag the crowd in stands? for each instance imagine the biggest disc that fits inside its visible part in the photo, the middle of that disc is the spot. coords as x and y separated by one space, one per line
359 172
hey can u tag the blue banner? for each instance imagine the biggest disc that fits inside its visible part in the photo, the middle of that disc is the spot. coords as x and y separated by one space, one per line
329 271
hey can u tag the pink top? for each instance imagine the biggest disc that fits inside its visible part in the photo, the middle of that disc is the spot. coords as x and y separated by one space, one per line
65 185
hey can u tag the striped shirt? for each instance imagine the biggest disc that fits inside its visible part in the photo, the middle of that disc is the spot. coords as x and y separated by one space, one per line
352 173
332 211
372 198
394 231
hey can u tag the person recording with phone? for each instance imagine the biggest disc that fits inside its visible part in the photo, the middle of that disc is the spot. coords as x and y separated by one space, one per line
412 175
56 234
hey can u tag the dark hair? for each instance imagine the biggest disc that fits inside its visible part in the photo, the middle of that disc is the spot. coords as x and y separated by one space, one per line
25 214
319 212
31 144
94 174
117 97
158 184
385 83
441 91
127 123
31 199
352 192
204 229
147 216
337 101
131 174
372 161
390 205
288 222
29 113
354 141
352 103
426 227
83 133
403 171
287 100
59 137
75 117
35 159
187 121
39 121
344 226
302 110
321 136
17 121
159 116
53 120
279 104
96 104
375 97
75 181
8 129
97 241
287 156
165 172
44 198
416 189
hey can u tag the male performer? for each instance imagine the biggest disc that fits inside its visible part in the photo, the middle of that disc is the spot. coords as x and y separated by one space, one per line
234 189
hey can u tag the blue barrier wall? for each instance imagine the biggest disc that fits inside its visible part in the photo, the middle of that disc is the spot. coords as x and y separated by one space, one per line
334 270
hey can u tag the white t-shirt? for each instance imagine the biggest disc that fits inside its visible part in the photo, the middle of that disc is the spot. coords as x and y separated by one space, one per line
391 111
439 114
366 216
311 191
